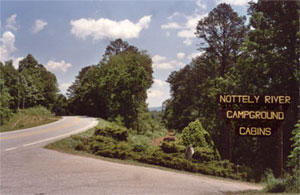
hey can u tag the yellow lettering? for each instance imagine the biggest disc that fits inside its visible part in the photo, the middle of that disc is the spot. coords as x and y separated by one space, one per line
222 99
267 99
229 112
288 99
242 128
256 99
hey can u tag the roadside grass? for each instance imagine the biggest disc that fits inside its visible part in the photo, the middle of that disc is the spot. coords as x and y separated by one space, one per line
254 192
68 145
27 118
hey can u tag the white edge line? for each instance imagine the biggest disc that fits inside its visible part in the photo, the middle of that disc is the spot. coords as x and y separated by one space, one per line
9 149
64 135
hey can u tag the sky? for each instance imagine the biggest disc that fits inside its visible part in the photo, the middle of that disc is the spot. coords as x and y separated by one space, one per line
66 36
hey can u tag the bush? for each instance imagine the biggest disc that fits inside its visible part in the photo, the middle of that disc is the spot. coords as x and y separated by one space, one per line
140 143
274 185
203 154
116 132
195 135
293 181
171 147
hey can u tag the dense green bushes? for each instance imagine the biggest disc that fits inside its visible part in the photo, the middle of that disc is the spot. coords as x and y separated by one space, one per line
116 132
114 141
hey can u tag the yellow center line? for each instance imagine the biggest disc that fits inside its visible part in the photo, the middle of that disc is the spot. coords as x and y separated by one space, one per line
41 131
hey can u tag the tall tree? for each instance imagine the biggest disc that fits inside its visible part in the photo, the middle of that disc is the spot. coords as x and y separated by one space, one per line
11 77
222 32
38 86
5 98
116 47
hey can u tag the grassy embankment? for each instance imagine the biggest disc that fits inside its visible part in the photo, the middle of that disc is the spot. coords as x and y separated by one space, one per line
27 118
111 142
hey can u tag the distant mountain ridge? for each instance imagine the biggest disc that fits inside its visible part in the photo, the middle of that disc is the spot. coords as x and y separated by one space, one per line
155 108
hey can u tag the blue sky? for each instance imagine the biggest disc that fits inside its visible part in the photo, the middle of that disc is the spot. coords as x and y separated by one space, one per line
66 36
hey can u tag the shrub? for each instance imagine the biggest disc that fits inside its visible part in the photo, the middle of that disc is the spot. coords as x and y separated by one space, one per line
195 135
169 147
140 143
203 154
274 185
118 133
293 181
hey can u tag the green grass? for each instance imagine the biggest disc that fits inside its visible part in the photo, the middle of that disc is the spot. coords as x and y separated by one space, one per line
28 118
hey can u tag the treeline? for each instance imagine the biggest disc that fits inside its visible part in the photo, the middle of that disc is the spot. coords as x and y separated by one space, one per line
114 89
28 86
260 58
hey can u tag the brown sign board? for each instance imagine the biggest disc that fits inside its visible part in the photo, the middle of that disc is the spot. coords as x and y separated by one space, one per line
255 115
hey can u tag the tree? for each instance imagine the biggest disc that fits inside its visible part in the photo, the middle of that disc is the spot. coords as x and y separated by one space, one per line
116 47
223 32
116 87
37 86
60 106
5 98
11 80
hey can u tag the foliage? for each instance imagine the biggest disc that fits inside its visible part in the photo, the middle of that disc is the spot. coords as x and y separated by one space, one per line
5 98
28 86
38 86
103 141
274 185
195 135
116 132
61 105
26 118
223 31
295 153
116 87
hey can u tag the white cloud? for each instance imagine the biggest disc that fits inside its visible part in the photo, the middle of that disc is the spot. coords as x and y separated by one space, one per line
187 42
164 65
159 83
194 55
233 2
11 22
16 62
187 29
158 93
180 55
58 66
174 15
158 58
106 28
201 4
155 93
161 62
39 25
171 25
7 47
186 33
64 86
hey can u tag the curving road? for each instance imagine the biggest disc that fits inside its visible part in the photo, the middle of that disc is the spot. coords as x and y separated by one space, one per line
28 168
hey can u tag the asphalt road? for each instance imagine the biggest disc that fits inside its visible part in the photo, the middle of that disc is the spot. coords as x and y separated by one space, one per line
28 168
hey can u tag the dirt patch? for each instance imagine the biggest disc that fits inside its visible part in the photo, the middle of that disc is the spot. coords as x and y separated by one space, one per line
170 137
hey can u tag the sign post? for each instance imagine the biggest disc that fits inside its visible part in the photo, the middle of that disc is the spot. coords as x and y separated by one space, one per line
263 114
